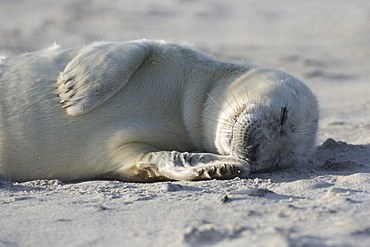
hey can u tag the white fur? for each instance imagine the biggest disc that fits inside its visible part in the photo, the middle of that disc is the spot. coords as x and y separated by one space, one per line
132 111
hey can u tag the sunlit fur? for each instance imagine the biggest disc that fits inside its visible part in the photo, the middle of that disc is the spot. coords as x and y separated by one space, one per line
148 111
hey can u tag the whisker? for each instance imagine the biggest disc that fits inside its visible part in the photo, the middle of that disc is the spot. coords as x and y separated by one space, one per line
299 120
220 107
303 130
303 115
221 125
223 96
246 92
217 119
236 101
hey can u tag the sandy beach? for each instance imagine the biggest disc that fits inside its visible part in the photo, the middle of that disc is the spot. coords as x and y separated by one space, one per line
326 44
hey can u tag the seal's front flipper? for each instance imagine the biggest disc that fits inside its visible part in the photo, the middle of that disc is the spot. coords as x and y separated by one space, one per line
97 73
190 166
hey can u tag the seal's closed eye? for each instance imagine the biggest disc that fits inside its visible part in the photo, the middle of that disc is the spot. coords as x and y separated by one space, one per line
283 116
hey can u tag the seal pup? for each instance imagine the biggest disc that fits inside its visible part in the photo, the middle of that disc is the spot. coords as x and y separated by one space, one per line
148 111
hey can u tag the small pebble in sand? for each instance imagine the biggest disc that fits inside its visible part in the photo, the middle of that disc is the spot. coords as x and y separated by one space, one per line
252 192
170 187
223 198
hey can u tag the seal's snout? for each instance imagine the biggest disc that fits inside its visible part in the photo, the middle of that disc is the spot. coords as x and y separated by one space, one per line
263 139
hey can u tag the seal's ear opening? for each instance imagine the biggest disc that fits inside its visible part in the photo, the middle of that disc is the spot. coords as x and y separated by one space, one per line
283 116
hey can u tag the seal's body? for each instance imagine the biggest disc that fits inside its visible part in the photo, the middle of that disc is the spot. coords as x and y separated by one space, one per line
147 111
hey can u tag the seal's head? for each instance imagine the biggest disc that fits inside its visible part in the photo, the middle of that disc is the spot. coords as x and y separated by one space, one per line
271 120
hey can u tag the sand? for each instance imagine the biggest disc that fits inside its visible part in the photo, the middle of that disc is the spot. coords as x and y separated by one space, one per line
327 203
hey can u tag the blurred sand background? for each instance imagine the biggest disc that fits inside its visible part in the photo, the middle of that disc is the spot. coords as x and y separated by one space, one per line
326 44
